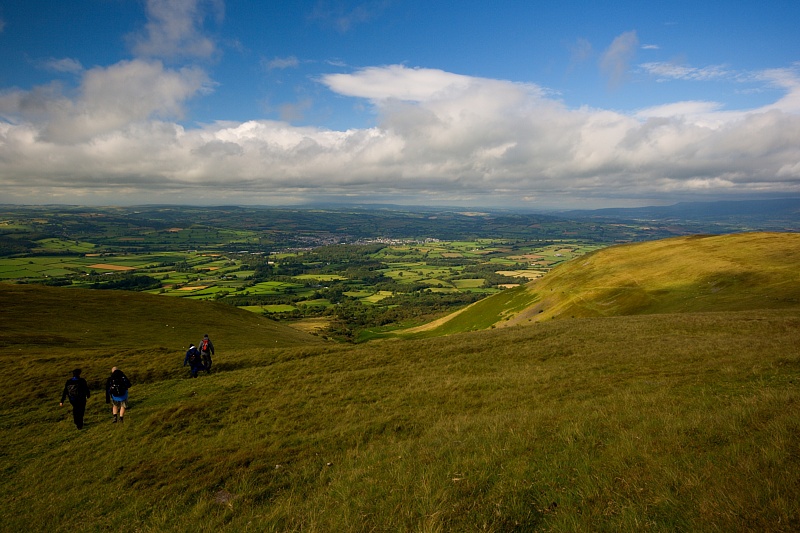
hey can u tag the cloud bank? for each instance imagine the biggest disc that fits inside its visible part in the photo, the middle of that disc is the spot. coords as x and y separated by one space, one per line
438 138
439 135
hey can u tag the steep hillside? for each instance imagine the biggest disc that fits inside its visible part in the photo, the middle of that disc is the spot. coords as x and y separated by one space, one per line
680 275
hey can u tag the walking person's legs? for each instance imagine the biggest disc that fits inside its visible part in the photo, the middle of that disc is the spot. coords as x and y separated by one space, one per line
118 409
78 411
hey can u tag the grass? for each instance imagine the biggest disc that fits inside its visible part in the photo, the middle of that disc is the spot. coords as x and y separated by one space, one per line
594 424
731 272
482 314
668 422
96 330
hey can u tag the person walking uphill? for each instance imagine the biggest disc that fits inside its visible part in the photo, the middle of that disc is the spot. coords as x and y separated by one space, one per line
77 390
206 351
193 360
117 387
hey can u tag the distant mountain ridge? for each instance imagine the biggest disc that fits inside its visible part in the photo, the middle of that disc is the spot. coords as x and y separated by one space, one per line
786 207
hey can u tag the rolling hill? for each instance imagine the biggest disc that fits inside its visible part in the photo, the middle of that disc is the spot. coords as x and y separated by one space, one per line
679 275
145 334
83 318
650 419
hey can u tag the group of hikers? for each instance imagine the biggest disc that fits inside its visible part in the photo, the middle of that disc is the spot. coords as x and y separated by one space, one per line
199 358
76 389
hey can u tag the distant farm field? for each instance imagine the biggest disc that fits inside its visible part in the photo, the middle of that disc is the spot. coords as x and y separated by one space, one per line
378 280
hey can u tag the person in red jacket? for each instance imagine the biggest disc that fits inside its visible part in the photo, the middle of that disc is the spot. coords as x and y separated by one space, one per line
206 351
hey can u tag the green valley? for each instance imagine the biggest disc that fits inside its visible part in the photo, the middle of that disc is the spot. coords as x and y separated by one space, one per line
680 418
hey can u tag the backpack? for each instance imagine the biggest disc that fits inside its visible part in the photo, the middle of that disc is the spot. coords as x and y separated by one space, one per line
204 346
73 390
117 387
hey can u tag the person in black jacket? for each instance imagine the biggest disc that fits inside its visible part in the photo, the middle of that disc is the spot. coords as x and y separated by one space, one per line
117 387
77 390
194 361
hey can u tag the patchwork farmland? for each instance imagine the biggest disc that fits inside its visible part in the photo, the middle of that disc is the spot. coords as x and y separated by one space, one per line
307 285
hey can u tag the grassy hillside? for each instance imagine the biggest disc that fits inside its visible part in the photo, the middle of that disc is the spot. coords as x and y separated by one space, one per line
679 275
660 422
48 331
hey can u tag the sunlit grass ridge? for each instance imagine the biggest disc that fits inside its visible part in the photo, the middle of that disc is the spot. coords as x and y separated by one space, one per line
683 274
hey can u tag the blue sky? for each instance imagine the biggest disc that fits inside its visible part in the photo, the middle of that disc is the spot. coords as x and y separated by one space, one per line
516 104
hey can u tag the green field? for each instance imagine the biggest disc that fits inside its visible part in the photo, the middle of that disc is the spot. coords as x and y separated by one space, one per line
299 284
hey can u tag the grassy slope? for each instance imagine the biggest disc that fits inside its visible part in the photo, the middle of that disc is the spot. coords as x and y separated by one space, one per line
670 422
48 331
684 274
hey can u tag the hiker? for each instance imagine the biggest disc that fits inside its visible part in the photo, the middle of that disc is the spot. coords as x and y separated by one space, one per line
193 359
77 390
117 387
206 351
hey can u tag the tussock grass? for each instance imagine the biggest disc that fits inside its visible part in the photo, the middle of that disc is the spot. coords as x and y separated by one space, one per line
674 422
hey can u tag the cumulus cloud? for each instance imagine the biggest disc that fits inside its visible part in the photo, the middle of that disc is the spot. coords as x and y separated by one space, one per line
442 136
175 29
616 59
106 100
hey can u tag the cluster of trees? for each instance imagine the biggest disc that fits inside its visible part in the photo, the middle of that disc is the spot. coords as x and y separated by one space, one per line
487 272
126 282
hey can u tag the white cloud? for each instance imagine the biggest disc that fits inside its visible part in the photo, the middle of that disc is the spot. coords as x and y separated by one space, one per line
174 29
106 100
788 80
616 60
67 64
441 136
400 83
667 71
